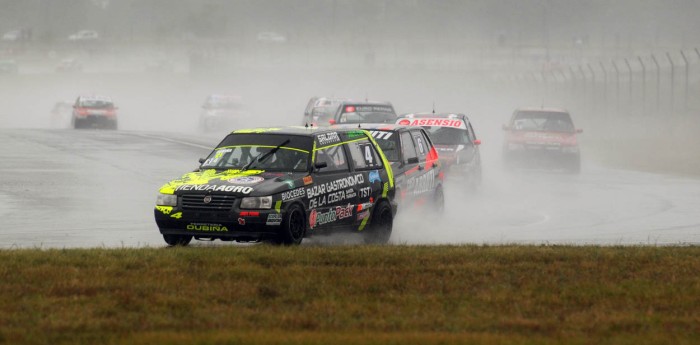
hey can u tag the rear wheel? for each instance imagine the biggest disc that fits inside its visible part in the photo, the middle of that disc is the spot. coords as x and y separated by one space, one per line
381 224
438 201
293 226
177 240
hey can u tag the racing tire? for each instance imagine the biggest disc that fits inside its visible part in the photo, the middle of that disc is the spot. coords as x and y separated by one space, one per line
293 226
78 124
381 224
177 240
438 201
574 166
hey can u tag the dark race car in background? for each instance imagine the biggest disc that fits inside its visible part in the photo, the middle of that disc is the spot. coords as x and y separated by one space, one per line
361 112
414 160
222 113
541 138
94 112
321 109
281 185
456 143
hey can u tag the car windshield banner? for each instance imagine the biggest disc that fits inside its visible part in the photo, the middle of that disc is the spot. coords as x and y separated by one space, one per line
432 122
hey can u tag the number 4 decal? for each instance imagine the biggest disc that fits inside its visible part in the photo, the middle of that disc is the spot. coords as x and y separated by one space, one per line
368 155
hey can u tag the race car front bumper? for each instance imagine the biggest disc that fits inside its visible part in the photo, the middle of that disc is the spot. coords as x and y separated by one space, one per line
243 225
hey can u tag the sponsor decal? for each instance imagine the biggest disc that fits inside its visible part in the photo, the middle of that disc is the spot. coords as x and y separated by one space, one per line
335 185
374 176
381 135
363 215
328 138
435 122
176 215
249 214
241 221
274 219
246 180
421 184
312 218
336 213
206 227
214 188
164 209
293 194
369 108
355 134
308 180
332 198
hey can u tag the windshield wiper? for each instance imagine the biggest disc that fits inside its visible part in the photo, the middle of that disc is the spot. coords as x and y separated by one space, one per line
263 156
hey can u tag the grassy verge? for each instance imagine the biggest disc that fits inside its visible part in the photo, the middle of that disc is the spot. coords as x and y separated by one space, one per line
363 295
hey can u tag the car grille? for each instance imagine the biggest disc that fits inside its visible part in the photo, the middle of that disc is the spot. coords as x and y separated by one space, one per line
217 203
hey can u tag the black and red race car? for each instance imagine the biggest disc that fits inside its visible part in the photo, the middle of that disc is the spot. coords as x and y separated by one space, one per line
456 142
542 138
414 160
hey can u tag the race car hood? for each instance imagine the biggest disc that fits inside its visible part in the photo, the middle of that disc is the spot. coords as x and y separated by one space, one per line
542 138
234 182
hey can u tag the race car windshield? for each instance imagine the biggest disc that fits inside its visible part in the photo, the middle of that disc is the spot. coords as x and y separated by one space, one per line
239 151
543 121
448 135
367 117
91 103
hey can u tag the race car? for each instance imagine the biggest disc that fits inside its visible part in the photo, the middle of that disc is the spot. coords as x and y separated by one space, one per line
541 138
222 113
281 185
418 174
320 108
94 112
456 143
360 112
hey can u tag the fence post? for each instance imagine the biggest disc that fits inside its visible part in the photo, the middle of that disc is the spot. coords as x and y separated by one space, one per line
605 87
658 83
644 83
629 68
617 86
673 81
687 74
593 88
584 81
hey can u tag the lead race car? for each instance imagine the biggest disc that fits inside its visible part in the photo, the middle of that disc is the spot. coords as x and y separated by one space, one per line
281 185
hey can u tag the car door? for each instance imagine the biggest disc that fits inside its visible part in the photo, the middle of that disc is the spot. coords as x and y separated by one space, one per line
413 167
424 182
332 195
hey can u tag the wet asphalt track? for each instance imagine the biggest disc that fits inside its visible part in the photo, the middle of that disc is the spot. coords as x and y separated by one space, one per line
66 188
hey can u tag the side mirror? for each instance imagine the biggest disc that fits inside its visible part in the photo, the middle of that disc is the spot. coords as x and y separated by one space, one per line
477 142
505 127
320 165
202 160
331 121
579 130
412 160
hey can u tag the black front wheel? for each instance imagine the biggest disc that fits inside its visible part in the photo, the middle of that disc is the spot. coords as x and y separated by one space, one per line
381 224
177 240
293 226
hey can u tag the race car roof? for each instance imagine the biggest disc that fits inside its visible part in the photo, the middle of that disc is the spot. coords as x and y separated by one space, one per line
293 130
375 126
95 98
436 115
543 109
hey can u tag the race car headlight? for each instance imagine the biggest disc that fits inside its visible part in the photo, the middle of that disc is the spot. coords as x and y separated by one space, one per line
166 200
257 202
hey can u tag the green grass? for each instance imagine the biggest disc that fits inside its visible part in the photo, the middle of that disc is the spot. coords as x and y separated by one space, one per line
355 294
